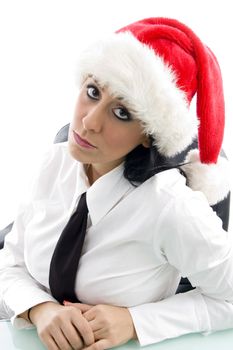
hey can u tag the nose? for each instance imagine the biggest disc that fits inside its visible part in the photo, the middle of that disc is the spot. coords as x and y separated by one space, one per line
94 119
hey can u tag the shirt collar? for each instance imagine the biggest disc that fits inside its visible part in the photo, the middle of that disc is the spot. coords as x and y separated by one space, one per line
82 180
106 192
110 188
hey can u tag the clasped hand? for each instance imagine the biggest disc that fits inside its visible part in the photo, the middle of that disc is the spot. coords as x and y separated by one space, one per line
82 326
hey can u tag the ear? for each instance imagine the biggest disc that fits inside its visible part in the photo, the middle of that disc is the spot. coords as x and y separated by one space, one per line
146 142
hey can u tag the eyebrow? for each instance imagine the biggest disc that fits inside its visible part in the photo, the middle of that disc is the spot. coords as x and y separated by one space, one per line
96 81
102 88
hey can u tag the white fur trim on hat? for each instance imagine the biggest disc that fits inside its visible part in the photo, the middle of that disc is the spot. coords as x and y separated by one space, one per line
132 71
211 179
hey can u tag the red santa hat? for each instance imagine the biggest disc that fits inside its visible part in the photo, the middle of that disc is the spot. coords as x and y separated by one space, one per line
157 66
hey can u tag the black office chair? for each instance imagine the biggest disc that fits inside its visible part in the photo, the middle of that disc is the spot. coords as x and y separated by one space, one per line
222 209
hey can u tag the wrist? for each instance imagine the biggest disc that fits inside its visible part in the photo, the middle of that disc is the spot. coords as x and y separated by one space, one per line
133 330
35 311
135 337
28 314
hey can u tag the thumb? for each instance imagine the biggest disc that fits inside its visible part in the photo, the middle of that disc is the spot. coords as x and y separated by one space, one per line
81 307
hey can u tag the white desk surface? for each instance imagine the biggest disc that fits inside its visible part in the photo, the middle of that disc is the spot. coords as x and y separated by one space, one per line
12 339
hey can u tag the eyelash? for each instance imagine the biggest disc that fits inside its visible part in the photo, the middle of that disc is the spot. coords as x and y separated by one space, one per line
121 109
125 112
93 87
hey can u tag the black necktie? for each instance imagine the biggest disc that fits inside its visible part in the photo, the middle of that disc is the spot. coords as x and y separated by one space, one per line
67 253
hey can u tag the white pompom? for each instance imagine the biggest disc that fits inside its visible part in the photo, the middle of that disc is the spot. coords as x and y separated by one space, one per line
211 179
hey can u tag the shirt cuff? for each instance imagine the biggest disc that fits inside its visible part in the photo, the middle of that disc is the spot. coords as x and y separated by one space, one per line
19 322
32 297
170 318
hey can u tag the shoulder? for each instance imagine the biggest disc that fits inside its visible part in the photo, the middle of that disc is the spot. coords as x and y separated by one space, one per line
186 224
56 160
168 191
168 185
183 211
56 155
54 166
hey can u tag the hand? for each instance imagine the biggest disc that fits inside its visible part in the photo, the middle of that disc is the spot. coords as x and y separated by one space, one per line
61 328
111 325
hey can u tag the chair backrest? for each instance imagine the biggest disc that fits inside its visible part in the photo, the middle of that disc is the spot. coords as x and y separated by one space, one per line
62 135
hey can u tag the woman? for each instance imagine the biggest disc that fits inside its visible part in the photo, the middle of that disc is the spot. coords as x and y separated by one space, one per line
145 226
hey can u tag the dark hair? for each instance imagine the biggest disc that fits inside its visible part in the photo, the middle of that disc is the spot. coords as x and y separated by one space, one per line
142 163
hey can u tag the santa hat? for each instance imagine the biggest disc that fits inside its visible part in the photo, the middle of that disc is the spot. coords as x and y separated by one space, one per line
156 66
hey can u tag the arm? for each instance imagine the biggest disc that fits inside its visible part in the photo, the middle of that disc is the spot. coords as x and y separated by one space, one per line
190 237
18 289
56 325
202 251
15 279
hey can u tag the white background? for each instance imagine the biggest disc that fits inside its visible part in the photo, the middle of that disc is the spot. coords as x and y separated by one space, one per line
39 43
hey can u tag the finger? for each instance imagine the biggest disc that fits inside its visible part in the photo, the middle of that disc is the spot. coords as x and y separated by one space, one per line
81 307
61 340
49 343
67 303
99 345
100 334
89 315
84 307
73 336
95 325
84 329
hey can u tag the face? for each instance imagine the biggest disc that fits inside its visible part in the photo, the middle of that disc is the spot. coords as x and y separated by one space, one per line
103 131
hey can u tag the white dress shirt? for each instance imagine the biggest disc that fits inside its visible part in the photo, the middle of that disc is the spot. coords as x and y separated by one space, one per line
139 242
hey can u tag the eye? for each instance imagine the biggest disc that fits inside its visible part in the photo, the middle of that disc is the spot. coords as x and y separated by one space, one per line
93 92
122 113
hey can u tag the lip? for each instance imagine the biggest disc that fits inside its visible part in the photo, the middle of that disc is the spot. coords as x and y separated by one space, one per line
81 142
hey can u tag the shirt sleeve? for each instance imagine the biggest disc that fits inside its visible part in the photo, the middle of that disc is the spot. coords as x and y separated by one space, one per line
18 289
193 241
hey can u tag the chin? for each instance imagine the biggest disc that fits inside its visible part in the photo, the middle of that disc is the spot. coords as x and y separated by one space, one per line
77 154
73 151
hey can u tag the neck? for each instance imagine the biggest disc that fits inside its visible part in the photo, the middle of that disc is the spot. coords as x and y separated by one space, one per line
95 171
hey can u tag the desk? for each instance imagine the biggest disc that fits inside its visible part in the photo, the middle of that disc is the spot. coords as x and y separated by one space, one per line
12 339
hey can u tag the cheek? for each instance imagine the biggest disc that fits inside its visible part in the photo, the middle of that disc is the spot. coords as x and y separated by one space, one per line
77 118
79 111
123 140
